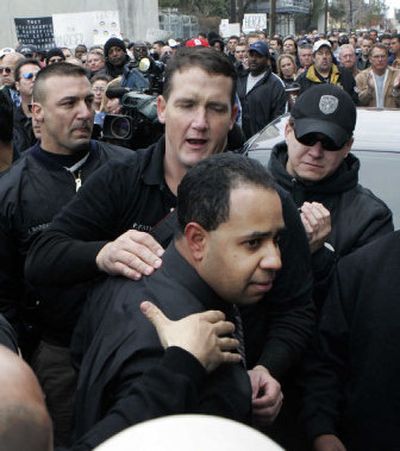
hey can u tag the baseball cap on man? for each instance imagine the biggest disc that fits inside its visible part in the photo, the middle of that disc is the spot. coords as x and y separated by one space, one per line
325 109
5 51
197 42
27 50
321 43
260 47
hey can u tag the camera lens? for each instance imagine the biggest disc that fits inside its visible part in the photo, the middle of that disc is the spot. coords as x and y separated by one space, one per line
121 127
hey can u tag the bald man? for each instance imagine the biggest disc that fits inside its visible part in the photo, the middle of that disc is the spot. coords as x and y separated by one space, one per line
25 424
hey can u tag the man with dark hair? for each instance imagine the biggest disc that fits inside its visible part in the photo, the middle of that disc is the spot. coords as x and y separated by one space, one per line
261 92
116 57
114 232
225 253
363 61
395 49
54 55
31 193
323 70
25 76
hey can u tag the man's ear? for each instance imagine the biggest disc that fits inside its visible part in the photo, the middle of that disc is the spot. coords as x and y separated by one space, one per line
196 239
347 146
37 111
161 107
288 129
234 114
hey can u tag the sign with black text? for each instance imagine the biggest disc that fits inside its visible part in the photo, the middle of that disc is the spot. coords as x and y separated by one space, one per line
35 30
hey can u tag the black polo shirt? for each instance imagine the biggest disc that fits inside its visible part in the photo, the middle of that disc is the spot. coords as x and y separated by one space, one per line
122 195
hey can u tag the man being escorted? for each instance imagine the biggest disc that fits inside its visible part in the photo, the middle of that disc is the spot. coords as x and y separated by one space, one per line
225 253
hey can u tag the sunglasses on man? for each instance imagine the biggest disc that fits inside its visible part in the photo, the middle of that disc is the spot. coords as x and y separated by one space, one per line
7 70
29 75
310 139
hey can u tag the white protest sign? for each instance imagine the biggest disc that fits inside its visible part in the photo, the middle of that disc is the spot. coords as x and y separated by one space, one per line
254 22
89 28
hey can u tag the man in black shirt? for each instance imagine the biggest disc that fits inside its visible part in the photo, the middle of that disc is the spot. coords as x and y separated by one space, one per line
225 253
108 227
31 193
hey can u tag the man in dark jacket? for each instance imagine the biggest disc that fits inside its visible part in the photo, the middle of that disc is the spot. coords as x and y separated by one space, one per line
261 92
351 392
116 57
316 167
323 70
31 193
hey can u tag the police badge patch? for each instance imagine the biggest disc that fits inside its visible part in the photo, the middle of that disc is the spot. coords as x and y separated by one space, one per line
328 104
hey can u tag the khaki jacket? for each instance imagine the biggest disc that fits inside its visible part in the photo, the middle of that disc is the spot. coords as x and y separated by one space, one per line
367 96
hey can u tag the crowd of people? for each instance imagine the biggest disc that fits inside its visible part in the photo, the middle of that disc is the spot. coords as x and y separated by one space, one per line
279 285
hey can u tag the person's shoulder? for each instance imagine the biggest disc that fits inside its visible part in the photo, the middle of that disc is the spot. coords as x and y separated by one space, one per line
11 179
382 251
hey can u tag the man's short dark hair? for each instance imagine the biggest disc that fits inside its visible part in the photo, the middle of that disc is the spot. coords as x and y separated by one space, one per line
22 63
6 119
210 60
204 193
61 69
396 36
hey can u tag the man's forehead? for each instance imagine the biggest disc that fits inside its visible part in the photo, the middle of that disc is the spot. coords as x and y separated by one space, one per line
196 74
70 85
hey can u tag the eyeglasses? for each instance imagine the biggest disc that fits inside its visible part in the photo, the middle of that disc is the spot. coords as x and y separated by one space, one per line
29 75
310 139
7 70
98 89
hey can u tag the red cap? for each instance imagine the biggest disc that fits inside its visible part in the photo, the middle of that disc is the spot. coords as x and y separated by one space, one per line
197 42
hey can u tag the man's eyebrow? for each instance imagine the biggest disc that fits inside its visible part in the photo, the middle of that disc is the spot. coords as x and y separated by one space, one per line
259 235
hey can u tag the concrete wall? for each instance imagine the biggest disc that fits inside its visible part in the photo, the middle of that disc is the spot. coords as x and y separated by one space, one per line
136 16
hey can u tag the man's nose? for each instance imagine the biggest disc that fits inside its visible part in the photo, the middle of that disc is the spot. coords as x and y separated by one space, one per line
200 119
272 258
85 110
316 151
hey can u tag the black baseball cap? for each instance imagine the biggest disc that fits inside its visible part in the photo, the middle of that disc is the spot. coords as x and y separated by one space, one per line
325 109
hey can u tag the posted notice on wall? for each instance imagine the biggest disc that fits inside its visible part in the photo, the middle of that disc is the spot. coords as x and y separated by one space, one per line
38 31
